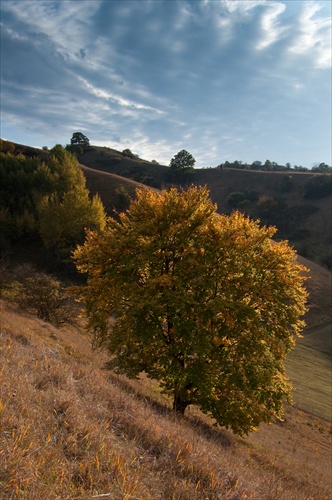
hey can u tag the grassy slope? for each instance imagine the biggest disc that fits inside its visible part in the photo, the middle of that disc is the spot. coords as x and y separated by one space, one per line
106 184
308 367
72 430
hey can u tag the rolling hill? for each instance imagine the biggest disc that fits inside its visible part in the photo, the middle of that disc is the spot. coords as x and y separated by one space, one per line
276 198
114 177
72 430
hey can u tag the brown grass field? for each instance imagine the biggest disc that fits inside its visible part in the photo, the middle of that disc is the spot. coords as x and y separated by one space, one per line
70 430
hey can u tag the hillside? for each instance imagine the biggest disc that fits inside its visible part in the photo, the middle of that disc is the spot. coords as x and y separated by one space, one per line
312 219
107 185
72 430
276 198
305 222
113 161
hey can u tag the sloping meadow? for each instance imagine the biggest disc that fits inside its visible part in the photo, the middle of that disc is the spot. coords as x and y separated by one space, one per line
73 430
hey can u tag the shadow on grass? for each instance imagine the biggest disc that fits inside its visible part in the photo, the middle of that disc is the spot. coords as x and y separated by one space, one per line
213 434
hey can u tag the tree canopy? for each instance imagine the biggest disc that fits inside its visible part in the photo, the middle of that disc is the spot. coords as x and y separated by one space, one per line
182 165
68 210
322 168
79 139
206 304
47 199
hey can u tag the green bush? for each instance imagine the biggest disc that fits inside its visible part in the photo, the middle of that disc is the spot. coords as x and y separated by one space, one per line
252 195
122 198
75 149
239 199
267 207
243 204
234 199
128 153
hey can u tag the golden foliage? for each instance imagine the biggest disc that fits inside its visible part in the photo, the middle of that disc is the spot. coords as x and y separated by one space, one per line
205 303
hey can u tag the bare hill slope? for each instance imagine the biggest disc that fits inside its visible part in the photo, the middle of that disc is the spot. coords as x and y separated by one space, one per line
319 285
110 186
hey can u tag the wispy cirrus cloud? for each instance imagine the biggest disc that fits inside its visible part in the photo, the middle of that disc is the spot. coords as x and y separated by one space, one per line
116 99
272 27
313 35
65 23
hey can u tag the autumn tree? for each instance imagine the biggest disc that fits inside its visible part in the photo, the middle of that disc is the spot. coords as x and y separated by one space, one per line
68 211
63 220
206 304
47 199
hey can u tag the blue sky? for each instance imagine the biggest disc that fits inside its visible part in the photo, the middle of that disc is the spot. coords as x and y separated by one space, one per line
224 79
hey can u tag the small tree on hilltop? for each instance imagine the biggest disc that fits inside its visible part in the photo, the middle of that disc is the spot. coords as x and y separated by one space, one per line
182 166
322 168
204 303
128 153
80 139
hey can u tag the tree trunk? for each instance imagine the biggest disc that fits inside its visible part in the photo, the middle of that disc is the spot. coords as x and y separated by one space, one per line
179 405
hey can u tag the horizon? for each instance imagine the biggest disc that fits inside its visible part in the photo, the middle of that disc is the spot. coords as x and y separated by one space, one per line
227 80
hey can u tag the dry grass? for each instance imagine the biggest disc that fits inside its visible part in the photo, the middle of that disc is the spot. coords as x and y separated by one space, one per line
310 372
73 431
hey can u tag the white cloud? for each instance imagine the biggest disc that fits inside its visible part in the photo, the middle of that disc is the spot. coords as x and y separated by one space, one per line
314 36
271 27
206 76
113 98
304 27
242 6
162 151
